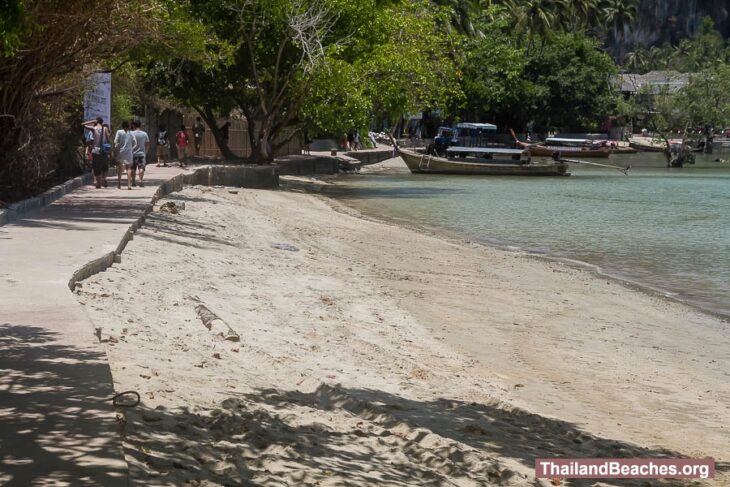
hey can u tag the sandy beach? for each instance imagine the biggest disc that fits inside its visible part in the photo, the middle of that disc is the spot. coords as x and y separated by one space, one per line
340 350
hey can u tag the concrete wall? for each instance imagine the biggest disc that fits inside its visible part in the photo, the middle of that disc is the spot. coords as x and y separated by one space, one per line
371 156
260 177
309 165
16 210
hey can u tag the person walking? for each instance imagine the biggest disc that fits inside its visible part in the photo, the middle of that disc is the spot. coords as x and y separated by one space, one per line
100 150
198 131
139 160
162 146
356 140
124 146
182 141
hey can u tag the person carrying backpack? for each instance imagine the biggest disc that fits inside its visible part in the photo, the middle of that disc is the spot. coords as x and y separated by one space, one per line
162 146
182 140
100 150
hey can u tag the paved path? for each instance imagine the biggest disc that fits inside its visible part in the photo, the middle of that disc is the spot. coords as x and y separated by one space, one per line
57 424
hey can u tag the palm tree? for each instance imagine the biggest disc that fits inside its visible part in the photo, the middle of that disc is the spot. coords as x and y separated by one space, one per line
579 14
536 17
618 14
463 13
637 61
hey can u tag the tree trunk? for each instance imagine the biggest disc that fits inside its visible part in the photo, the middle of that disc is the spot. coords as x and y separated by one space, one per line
207 114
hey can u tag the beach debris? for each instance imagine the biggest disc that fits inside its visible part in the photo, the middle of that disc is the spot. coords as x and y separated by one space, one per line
233 191
285 246
214 323
172 207
217 355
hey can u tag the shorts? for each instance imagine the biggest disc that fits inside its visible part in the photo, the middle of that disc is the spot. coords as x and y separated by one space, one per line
162 152
139 163
127 163
99 163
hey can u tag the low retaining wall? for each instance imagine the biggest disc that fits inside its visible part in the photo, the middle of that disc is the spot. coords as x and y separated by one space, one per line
17 210
259 177
368 157
309 166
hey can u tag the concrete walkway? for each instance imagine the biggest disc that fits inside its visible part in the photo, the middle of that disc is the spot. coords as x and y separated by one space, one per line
57 424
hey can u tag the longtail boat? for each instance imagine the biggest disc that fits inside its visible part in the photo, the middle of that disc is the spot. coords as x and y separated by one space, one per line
481 161
541 150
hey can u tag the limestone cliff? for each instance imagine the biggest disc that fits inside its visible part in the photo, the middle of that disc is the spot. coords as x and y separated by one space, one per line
661 21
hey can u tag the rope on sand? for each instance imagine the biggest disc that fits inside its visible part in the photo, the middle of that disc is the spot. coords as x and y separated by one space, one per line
123 405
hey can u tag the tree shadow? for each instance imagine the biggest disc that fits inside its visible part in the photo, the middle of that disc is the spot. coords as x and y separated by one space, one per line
56 420
368 437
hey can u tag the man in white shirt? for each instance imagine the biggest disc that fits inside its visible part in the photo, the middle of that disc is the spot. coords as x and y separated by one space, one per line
139 160
124 146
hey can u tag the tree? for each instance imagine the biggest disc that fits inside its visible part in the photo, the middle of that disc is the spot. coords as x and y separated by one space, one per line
494 80
706 98
12 24
288 63
534 18
45 76
618 14
572 78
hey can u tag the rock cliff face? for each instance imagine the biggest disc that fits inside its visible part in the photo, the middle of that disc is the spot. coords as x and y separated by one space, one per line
661 21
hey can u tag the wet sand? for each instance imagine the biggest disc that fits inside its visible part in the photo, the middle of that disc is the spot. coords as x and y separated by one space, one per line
371 354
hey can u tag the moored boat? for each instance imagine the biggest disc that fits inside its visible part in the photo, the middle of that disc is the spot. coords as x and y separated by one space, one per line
421 162
541 150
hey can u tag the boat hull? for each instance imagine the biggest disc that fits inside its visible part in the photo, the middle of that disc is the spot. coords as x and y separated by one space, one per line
419 162
548 151
647 148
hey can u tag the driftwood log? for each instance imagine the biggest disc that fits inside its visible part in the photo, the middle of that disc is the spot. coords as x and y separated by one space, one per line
215 323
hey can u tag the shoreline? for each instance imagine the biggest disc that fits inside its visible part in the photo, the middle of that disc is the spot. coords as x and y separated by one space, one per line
383 168
361 319
597 270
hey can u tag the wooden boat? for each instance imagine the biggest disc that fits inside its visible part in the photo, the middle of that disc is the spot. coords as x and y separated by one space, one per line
541 150
421 162
647 144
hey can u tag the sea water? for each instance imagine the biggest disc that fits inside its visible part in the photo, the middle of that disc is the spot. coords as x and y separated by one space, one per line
665 229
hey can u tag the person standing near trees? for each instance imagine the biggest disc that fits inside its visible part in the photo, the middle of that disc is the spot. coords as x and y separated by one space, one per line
356 140
198 132
124 145
162 146
100 150
182 140
140 153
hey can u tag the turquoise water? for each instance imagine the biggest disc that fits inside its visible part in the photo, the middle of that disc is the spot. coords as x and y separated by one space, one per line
666 229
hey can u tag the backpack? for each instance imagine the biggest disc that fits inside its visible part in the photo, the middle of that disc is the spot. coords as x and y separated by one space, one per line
162 138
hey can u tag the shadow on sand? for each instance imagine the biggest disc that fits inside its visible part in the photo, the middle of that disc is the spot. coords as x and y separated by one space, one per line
357 437
57 426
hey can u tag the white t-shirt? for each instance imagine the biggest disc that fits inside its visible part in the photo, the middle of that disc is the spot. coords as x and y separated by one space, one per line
141 137
125 144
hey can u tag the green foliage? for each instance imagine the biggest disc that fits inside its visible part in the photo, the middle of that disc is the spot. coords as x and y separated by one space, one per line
563 85
573 78
13 24
336 101
413 65
706 99
494 79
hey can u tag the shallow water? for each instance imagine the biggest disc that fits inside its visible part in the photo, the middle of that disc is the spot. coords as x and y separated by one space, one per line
667 229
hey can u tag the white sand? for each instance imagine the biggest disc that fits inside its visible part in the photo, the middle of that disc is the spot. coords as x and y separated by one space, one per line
375 355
